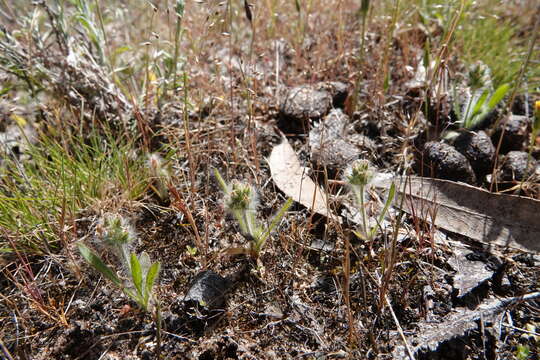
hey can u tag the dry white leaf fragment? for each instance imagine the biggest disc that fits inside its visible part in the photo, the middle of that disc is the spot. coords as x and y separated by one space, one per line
292 178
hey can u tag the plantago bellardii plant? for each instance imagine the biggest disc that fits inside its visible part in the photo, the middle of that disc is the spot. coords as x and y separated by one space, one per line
482 99
358 175
241 200
117 236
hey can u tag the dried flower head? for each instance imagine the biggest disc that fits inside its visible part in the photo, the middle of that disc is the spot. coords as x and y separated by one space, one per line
359 173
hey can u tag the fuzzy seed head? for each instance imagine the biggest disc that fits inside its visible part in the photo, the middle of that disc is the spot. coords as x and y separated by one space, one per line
359 173
241 197
117 231
154 161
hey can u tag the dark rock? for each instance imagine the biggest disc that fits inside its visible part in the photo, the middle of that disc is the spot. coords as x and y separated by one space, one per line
333 126
302 104
443 161
338 90
208 290
478 149
523 105
329 149
516 133
514 167
334 155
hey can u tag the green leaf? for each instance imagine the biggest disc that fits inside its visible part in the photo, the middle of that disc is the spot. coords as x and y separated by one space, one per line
297 5
386 84
479 103
145 262
496 98
136 273
389 199
359 235
471 115
221 182
427 51
364 7
98 264
151 277
180 5
5 90
276 220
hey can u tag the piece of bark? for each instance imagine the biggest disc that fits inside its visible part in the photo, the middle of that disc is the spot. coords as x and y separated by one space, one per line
456 325
499 219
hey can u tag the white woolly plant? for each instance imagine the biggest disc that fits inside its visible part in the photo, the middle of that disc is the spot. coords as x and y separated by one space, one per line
358 176
117 235
241 200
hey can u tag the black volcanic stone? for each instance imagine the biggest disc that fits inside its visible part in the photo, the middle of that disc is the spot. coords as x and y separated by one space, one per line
478 149
443 161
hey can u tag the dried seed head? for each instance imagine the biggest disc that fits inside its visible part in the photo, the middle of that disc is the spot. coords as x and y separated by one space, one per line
359 173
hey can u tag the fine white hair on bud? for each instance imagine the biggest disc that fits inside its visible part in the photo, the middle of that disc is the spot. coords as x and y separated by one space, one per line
155 161
241 197
359 173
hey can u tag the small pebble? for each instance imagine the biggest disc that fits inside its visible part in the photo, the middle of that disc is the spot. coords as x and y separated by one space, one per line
514 167
516 133
478 149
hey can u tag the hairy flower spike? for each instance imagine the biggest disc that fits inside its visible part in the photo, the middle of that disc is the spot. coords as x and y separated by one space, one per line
118 231
359 173
241 197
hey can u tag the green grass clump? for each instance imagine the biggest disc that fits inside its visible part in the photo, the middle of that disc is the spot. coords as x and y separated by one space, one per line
494 41
60 178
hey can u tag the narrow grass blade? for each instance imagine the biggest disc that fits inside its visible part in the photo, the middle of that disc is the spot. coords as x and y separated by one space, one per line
479 103
389 199
276 219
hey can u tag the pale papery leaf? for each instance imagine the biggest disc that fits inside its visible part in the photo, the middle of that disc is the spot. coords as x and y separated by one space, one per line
291 178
